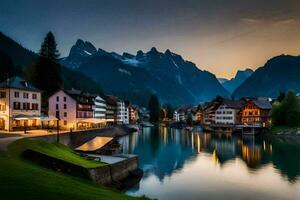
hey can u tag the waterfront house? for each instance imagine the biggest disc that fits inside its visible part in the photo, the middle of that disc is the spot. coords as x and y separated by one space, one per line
111 109
100 110
228 112
20 105
181 114
197 114
122 112
209 112
73 108
133 113
257 112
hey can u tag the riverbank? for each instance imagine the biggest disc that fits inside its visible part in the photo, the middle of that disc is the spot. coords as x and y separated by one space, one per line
284 132
31 179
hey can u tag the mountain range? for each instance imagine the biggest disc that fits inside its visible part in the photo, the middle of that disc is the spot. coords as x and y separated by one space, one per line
240 77
279 74
173 79
21 57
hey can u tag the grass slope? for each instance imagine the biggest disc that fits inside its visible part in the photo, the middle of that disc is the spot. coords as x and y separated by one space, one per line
20 179
284 129
54 150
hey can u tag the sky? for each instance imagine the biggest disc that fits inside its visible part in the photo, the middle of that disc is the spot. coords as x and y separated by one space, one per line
220 36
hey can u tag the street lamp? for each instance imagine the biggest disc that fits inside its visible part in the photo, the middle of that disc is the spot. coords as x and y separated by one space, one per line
57 130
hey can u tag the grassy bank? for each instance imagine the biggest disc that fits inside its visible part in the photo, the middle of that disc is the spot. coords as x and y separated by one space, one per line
284 130
54 150
21 179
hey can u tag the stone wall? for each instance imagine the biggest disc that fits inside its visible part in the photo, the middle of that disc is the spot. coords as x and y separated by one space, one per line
115 172
105 175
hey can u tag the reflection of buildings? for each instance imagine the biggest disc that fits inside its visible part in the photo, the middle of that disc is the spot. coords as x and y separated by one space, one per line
164 151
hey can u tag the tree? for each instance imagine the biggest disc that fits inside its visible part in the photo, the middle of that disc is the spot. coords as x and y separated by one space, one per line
287 112
45 73
281 96
7 68
49 48
170 111
154 108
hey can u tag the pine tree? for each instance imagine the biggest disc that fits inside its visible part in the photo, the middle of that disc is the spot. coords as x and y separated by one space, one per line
7 68
45 73
49 48
154 108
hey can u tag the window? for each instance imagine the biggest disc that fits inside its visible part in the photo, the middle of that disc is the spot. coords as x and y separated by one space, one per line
17 105
57 114
34 96
65 123
65 99
34 106
65 114
17 94
57 98
2 107
65 106
2 94
57 107
25 95
26 106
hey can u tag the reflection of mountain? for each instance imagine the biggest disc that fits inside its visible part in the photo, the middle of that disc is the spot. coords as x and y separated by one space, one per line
164 151
161 152
286 158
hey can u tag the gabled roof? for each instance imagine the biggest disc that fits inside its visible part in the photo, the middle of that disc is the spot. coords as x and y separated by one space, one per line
233 104
263 104
18 83
79 96
183 108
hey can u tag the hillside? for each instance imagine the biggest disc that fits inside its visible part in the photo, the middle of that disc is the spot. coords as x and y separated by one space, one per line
279 74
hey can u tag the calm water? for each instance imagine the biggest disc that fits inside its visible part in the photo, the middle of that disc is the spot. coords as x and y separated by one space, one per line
182 165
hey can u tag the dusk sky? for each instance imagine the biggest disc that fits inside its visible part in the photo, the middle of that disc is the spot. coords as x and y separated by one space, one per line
220 36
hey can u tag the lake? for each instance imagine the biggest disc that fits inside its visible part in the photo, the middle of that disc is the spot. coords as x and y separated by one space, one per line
190 165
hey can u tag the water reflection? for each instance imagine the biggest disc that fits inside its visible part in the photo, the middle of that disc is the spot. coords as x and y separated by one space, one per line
168 153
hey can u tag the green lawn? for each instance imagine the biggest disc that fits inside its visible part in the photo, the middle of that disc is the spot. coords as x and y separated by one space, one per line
55 150
20 179
283 129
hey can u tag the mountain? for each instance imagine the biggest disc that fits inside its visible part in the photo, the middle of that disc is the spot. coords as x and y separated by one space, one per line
134 77
222 80
240 77
279 74
20 56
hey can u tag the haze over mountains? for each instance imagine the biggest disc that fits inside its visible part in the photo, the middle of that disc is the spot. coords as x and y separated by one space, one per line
173 79
240 77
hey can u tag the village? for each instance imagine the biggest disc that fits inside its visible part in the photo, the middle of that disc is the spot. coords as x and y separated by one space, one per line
21 110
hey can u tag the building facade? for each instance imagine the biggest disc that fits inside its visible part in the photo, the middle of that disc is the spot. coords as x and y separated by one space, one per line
228 112
20 105
122 112
73 108
111 109
99 108
257 112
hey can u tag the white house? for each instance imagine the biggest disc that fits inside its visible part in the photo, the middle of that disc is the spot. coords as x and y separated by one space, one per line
122 112
20 105
99 108
73 108
228 112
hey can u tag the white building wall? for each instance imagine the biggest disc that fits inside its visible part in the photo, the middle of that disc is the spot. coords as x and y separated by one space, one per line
120 112
7 112
226 115
70 120
100 108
